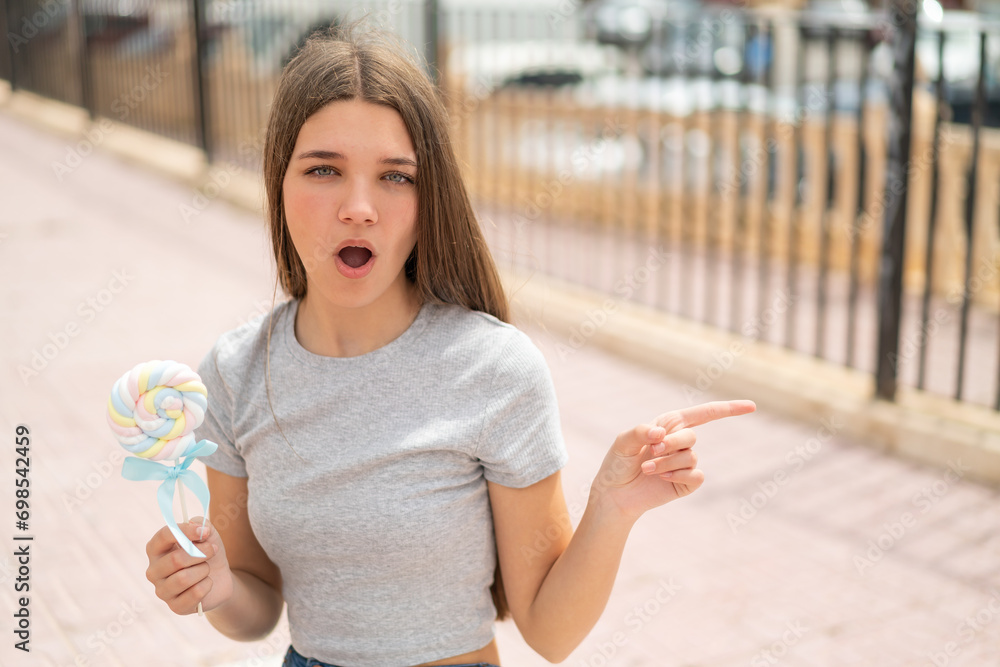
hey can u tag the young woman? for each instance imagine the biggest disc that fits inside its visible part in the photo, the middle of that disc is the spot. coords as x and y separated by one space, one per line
389 445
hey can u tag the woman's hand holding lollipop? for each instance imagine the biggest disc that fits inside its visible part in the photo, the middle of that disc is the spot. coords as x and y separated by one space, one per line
185 582
153 410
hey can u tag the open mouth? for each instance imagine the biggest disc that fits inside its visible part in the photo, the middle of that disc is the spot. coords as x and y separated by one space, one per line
355 256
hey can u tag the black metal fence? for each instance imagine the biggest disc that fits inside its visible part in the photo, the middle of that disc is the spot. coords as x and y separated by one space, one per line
731 166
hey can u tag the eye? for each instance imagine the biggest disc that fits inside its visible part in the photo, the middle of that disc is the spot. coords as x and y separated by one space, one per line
399 177
321 171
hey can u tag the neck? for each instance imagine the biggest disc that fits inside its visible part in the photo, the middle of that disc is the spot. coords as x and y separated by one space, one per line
329 330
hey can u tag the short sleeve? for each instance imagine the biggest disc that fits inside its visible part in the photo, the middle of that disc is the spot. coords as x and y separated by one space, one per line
521 439
218 424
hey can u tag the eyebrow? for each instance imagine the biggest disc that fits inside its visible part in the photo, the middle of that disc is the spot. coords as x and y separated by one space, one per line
334 155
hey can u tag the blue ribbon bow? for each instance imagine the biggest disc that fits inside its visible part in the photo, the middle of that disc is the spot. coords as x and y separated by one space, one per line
139 469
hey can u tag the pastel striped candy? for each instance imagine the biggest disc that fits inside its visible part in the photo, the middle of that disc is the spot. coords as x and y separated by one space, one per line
154 408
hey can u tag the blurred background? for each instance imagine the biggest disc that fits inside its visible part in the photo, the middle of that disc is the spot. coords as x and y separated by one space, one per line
795 200
750 139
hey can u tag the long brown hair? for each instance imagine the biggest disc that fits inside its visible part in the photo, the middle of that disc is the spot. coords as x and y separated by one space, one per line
450 262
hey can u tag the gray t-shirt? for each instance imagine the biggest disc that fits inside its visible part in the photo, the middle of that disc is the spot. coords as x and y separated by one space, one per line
381 523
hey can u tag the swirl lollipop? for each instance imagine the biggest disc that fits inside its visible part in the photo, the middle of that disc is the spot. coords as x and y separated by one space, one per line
153 410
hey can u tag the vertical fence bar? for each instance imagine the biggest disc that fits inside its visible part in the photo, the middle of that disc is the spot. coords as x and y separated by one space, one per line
202 132
120 86
996 398
664 196
604 230
466 83
685 243
7 26
577 227
527 100
797 158
147 112
823 257
22 74
497 127
903 15
654 163
970 209
853 241
942 114
713 198
768 162
38 65
6 60
616 182
222 92
101 60
557 138
518 136
627 219
7 71
240 82
485 109
497 133
155 119
431 39
86 86
19 77
742 181
511 139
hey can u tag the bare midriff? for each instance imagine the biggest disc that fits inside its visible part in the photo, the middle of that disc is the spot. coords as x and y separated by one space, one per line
487 653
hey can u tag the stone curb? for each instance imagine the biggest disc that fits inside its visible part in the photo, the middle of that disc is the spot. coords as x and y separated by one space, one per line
714 364
173 159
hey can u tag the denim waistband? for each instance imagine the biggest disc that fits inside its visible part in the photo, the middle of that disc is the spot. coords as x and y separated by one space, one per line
295 659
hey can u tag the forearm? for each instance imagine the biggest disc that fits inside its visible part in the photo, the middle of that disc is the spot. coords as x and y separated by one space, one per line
251 613
575 591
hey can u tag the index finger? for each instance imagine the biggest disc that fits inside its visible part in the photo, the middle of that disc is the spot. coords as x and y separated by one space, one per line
704 413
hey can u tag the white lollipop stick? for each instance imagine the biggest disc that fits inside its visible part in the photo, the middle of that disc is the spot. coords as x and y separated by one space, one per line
184 515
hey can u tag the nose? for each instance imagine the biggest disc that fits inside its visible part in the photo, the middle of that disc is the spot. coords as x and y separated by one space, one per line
358 205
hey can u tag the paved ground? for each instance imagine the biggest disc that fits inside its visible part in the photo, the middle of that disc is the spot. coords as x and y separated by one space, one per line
803 548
